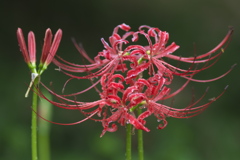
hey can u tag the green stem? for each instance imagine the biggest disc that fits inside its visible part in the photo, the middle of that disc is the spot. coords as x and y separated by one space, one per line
45 110
140 141
129 142
34 120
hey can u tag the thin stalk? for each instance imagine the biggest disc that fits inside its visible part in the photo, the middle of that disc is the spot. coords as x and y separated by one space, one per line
140 140
45 110
128 142
34 120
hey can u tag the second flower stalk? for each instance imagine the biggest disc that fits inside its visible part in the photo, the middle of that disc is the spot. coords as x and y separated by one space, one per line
29 54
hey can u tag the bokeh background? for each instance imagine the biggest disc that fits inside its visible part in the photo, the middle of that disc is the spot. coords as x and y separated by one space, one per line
197 26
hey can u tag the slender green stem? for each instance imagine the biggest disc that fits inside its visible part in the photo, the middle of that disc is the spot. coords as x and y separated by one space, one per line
140 141
129 142
45 110
34 120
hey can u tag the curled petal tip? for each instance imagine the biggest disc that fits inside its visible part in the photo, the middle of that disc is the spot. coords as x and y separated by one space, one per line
125 27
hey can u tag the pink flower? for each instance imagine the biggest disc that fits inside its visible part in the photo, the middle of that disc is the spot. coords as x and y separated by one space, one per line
114 57
156 50
109 60
118 103
110 108
48 52
29 54
125 86
49 48
157 92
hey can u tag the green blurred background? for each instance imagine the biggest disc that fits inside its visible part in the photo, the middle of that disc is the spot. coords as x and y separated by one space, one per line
212 135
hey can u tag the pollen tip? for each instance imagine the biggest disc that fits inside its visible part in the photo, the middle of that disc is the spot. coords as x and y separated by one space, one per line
226 87
231 28
233 65
207 89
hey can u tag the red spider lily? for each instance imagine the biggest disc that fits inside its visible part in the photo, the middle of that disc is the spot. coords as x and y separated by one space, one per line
48 52
112 55
111 108
118 103
156 92
122 93
157 49
112 58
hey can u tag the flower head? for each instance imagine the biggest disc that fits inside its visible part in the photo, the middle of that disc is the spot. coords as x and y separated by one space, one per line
121 51
29 54
48 52
49 48
109 60
125 86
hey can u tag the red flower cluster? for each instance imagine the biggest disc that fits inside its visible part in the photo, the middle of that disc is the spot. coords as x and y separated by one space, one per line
122 68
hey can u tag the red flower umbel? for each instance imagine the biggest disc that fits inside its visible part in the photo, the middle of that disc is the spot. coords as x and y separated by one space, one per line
136 77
